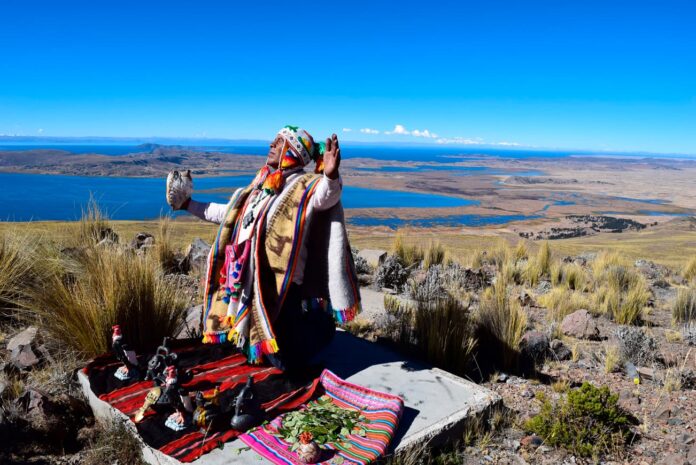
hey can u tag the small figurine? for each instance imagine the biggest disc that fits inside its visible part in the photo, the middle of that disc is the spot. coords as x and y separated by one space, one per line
159 362
308 451
247 411
207 409
177 421
129 370
168 395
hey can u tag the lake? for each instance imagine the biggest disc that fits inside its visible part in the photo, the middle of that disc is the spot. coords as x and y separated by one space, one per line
27 197
451 220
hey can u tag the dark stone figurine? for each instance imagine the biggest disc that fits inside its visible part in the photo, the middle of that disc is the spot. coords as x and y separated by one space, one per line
247 408
129 370
157 365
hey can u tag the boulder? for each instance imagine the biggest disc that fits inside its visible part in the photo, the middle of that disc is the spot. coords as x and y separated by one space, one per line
142 240
535 345
560 351
581 325
23 349
192 323
373 257
196 255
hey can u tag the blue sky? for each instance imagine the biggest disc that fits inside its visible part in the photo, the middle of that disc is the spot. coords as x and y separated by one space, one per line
599 75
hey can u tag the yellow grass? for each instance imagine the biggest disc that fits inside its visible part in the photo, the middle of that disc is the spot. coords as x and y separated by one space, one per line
502 318
561 302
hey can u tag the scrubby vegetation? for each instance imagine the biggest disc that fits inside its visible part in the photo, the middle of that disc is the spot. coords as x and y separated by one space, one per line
684 309
587 422
501 321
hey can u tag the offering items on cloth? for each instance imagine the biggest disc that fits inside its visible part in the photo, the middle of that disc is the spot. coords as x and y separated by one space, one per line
207 410
129 370
247 409
366 442
211 367
159 362
308 451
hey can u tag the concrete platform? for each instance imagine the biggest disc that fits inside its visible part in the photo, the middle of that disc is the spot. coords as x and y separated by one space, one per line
438 403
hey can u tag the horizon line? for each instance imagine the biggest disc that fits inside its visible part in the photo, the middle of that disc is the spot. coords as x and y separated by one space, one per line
141 140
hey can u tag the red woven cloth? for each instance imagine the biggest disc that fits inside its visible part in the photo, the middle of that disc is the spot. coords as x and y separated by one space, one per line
211 366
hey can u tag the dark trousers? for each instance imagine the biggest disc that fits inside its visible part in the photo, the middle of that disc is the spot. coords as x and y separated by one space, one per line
300 332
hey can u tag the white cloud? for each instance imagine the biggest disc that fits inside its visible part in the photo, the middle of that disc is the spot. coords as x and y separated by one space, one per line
40 130
347 129
399 129
369 131
475 141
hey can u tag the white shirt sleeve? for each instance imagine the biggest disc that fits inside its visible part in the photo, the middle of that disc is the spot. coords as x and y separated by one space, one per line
208 211
328 193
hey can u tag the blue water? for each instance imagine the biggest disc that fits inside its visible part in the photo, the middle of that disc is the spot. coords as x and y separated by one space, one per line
652 201
458 170
28 197
452 221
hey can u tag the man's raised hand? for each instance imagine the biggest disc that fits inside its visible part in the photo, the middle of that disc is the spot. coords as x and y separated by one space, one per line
332 157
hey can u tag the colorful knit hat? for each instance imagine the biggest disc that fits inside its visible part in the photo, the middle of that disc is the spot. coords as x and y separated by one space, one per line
298 150
299 145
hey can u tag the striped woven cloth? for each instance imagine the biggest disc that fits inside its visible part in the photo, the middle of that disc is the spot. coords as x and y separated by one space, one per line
381 410
218 365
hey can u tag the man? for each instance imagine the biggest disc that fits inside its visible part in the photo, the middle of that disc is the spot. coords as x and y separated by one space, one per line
281 264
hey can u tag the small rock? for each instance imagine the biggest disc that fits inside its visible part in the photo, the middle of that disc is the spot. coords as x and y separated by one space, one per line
531 442
373 257
663 411
192 323
560 351
197 256
527 394
581 325
685 439
691 457
672 459
502 377
544 287
535 344
646 373
675 421
24 338
23 349
142 240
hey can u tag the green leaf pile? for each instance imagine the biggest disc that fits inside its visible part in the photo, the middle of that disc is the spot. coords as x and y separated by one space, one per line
327 422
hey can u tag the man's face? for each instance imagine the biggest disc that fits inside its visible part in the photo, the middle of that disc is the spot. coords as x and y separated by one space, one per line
274 152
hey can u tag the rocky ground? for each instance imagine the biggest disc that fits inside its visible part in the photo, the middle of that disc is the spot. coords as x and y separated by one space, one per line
585 348
45 420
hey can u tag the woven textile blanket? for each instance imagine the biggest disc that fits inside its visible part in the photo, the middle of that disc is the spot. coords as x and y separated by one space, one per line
211 365
381 410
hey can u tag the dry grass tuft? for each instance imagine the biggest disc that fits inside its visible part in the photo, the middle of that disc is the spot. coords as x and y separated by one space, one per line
684 309
166 254
501 318
82 295
434 255
408 254
689 271
561 302
612 359
111 287
115 443
19 271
